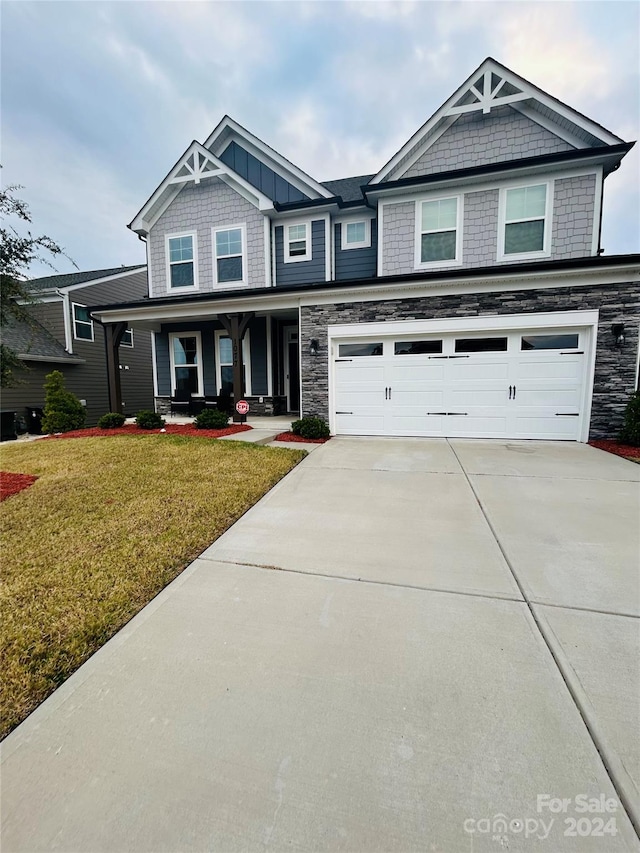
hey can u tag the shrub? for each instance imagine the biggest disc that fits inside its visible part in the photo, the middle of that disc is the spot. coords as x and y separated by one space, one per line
111 420
310 427
211 419
146 419
63 411
630 433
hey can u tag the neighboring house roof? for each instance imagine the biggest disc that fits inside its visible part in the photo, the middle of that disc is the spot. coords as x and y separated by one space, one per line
32 342
348 188
60 281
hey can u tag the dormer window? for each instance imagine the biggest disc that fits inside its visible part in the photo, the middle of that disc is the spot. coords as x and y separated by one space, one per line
181 261
297 242
229 251
356 234
524 229
438 232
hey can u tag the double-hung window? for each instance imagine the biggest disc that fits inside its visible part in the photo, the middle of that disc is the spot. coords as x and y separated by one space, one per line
228 248
297 242
185 352
181 261
127 339
524 230
82 323
356 234
438 237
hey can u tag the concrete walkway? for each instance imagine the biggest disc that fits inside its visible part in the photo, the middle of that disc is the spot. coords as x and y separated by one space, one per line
408 644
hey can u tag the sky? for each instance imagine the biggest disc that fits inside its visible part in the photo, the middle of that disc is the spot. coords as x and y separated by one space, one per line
99 99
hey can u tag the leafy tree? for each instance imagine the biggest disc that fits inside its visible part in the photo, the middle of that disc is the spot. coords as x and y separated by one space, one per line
63 411
17 253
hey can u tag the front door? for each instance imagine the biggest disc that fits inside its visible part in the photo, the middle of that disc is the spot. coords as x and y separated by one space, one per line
292 368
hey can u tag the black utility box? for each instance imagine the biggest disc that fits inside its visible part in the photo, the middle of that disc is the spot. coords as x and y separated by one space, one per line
34 420
8 426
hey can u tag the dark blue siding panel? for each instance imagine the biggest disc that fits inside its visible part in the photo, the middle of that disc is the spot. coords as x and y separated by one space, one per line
163 366
356 263
258 339
302 272
260 175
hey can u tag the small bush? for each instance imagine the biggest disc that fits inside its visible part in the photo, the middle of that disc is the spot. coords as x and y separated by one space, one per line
211 419
630 433
146 419
112 420
63 411
310 427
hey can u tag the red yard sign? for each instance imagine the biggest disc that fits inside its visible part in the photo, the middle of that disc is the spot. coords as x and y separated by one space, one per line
242 407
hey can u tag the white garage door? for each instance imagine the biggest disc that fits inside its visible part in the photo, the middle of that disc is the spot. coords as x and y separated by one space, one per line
515 384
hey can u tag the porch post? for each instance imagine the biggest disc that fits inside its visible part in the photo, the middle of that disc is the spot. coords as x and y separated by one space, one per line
236 326
113 333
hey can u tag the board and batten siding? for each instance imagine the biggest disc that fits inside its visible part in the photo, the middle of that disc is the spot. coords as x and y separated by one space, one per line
259 175
201 207
356 263
572 225
302 272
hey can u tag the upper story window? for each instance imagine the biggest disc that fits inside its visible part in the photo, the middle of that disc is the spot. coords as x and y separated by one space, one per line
127 339
82 323
297 242
182 262
524 229
438 232
356 234
229 252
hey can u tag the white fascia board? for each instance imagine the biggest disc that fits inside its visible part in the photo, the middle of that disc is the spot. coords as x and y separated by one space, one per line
561 132
25 356
265 302
91 282
489 66
260 147
41 297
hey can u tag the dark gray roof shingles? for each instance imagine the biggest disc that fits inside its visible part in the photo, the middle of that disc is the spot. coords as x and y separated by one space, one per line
348 188
29 338
63 280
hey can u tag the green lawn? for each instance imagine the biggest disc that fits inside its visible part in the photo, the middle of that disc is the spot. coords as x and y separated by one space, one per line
107 525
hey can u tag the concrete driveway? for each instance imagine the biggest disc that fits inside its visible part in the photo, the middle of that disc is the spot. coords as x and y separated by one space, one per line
408 644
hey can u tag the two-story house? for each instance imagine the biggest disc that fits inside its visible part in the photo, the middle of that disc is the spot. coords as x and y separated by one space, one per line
460 291
60 334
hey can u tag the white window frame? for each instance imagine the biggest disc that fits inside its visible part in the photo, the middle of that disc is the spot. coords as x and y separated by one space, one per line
198 337
308 255
361 244
246 358
545 252
419 264
194 237
89 323
128 346
243 282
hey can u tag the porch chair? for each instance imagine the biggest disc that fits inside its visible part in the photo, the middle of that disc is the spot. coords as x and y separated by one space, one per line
181 403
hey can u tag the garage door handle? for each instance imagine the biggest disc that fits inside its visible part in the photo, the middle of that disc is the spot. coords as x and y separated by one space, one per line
514 392
510 391
578 352
343 359
567 414
344 413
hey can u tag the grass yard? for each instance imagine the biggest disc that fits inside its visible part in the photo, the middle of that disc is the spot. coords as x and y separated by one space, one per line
107 524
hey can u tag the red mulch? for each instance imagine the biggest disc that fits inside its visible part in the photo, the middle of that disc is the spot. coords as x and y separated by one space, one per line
169 429
291 436
613 446
11 484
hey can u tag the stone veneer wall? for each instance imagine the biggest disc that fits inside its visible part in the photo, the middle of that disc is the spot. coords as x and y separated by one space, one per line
276 405
615 370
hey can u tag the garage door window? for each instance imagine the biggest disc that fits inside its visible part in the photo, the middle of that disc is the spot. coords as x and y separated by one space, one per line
529 342
481 345
352 350
417 347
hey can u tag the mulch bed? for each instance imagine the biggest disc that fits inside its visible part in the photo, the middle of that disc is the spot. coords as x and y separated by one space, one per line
291 436
613 446
11 484
169 429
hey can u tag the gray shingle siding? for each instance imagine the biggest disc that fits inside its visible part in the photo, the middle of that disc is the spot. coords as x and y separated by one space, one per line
356 263
573 217
476 139
302 272
200 208
615 369
260 175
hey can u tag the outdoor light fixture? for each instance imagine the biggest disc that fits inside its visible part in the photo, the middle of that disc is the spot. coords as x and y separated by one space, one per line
617 330
313 346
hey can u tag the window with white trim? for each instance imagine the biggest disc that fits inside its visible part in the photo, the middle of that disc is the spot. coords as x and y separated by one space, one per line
224 364
229 254
438 232
297 242
356 234
181 261
185 352
82 323
525 218
127 339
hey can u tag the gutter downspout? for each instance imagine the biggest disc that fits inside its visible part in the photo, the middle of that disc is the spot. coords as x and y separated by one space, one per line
66 310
